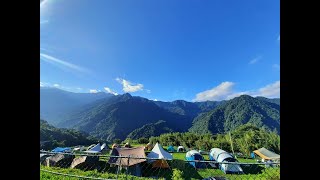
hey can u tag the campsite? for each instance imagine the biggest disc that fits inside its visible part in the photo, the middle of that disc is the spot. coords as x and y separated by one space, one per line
154 163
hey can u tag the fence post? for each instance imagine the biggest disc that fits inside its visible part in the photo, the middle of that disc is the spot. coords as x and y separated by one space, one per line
127 167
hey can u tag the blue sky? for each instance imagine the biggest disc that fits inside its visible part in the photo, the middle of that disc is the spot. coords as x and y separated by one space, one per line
164 50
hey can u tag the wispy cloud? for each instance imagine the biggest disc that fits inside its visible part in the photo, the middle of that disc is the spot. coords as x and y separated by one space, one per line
47 57
217 93
270 90
278 38
42 84
94 91
110 91
276 66
255 60
148 91
155 99
128 86
225 91
43 2
56 85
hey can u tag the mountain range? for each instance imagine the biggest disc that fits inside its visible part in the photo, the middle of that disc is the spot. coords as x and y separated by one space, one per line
107 117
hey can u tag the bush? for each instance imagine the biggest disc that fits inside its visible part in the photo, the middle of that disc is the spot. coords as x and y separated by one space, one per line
177 174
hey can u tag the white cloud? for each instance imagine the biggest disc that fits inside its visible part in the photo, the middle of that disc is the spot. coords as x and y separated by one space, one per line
110 91
276 66
94 91
79 88
41 84
43 22
49 58
148 91
217 93
225 91
127 86
278 38
56 85
270 90
155 99
255 60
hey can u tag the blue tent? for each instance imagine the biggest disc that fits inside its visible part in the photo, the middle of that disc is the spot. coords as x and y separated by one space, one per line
252 155
195 155
60 149
171 149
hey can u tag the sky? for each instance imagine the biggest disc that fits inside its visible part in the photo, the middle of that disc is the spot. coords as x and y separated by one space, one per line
162 50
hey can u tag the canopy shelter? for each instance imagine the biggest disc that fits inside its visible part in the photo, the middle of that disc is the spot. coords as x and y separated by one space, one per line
137 152
61 149
131 164
59 160
180 149
193 156
220 155
266 154
171 149
159 153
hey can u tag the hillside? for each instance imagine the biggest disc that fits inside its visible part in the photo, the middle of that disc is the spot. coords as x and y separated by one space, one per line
236 112
118 116
151 129
186 108
56 103
52 137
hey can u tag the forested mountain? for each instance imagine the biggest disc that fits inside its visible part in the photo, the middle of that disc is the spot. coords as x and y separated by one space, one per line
52 137
186 108
236 112
55 103
151 129
118 116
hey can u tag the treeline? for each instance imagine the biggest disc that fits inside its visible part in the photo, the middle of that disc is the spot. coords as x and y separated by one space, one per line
51 137
244 139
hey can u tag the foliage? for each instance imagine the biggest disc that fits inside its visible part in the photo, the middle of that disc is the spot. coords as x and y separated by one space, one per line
52 137
238 111
245 139
177 174
151 129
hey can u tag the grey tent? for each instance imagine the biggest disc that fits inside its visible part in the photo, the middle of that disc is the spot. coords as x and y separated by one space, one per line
267 155
180 149
132 164
43 157
84 161
220 155
59 160
94 149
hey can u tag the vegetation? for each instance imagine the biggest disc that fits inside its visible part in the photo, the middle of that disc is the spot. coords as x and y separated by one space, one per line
151 129
238 111
245 139
52 137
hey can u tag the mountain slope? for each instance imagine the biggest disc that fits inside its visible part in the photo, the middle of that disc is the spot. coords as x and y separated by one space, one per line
117 116
188 108
53 137
151 129
238 111
55 103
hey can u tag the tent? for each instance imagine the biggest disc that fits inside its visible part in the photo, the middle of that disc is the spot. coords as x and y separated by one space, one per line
131 164
195 155
79 148
159 153
43 157
84 161
148 147
266 154
59 160
180 149
220 155
61 149
170 149
137 152
94 149
114 146
127 145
